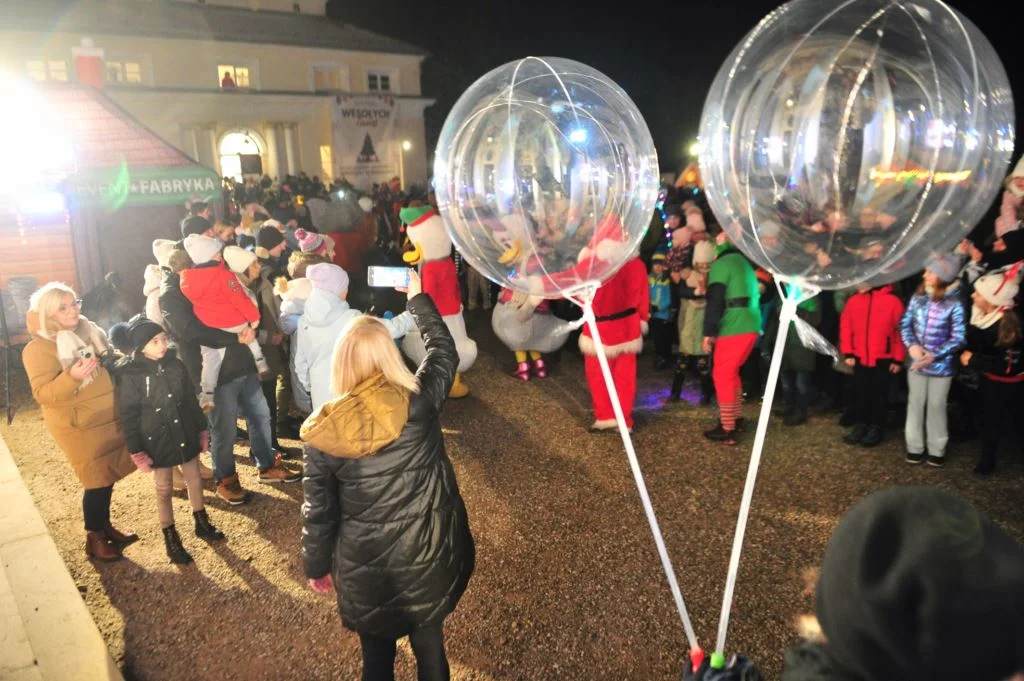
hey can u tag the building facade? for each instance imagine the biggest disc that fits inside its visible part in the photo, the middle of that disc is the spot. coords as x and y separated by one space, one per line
241 86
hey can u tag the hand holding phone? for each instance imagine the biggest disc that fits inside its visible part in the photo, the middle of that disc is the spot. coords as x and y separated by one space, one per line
387 277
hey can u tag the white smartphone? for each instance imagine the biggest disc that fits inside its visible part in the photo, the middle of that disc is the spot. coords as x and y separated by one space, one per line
387 277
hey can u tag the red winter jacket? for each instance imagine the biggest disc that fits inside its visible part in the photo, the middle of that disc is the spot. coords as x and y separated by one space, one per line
621 305
869 328
219 299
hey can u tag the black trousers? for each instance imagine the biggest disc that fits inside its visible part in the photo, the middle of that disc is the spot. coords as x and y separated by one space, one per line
96 508
871 393
1000 415
661 330
427 645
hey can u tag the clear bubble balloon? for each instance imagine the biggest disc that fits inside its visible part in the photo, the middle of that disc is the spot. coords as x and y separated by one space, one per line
850 142
546 176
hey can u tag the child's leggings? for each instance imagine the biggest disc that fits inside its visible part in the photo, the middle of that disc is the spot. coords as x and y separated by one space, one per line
214 357
164 479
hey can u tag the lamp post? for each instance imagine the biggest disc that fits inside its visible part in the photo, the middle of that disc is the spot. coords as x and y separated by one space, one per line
406 146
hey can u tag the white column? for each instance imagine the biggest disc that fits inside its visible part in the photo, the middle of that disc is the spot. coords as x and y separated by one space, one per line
291 148
214 151
273 168
205 139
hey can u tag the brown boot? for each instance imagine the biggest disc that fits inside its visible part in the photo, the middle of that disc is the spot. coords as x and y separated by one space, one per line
98 547
121 539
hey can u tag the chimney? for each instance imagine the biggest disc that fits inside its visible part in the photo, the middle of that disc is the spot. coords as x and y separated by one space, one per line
89 66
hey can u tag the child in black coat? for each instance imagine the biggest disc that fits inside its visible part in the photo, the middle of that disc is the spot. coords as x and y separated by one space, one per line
163 426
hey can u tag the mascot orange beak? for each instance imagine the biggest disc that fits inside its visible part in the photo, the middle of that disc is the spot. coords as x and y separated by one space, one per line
413 257
511 253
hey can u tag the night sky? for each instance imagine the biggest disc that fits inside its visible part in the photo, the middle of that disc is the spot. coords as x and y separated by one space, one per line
665 54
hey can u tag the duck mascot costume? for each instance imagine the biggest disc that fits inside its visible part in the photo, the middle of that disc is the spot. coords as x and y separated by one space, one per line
432 253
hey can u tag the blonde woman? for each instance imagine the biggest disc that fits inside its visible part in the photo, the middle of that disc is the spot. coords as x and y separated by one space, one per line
397 543
76 395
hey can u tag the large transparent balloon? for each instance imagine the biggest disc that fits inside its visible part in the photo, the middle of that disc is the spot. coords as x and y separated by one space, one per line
546 176
849 142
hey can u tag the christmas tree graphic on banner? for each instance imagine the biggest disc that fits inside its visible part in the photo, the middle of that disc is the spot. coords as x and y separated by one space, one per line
367 155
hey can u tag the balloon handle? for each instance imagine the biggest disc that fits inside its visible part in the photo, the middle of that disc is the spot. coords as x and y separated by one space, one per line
634 464
717 660
696 659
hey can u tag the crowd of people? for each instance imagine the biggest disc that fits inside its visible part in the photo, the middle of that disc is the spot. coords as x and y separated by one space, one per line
256 316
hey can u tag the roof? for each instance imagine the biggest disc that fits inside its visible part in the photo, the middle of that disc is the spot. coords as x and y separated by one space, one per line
188 21
103 134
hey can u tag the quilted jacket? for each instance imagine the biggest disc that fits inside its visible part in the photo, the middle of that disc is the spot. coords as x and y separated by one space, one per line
937 326
869 327
382 511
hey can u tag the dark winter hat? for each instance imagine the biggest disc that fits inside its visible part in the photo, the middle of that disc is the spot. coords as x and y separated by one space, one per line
194 224
673 210
141 331
269 238
919 584
118 337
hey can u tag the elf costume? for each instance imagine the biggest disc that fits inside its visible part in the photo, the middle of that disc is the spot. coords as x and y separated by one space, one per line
733 319
432 251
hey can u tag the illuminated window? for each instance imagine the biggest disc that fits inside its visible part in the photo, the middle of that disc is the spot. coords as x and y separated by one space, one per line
328 78
47 70
378 81
124 72
326 161
232 76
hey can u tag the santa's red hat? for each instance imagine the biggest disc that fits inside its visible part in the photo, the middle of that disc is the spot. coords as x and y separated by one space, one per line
608 239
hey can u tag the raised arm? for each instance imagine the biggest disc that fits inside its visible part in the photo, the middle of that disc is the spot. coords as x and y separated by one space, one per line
436 373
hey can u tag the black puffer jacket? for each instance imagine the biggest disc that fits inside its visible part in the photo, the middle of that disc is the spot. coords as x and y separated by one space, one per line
189 334
158 408
382 510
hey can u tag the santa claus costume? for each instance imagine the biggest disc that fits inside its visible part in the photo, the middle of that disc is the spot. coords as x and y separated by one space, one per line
432 251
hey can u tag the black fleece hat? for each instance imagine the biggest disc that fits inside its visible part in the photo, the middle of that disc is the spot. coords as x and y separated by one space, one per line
141 331
269 238
194 224
918 584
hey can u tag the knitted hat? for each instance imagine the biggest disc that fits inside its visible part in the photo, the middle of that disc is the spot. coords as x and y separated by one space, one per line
366 203
309 242
293 289
202 248
1000 288
141 331
194 224
695 220
703 253
659 257
118 337
269 238
238 259
162 249
945 268
919 584
673 210
328 277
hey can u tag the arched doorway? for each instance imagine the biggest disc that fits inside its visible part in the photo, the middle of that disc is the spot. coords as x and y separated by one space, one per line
241 153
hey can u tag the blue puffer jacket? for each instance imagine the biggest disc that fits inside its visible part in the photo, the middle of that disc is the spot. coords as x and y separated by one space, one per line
937 326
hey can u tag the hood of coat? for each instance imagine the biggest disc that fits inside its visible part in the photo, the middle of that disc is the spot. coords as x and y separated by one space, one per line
361 423
324 308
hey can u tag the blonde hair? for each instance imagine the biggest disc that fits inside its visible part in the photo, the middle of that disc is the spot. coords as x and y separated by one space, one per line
365 350
45 302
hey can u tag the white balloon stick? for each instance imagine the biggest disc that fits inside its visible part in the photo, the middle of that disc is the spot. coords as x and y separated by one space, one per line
786 315
627 441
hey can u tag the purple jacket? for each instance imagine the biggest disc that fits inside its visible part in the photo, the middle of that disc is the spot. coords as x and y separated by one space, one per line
937 326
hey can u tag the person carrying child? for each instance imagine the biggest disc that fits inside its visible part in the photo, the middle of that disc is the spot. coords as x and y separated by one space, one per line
163 427
994 349
221 301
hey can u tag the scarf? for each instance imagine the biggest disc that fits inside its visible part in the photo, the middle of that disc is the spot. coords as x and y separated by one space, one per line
71 343
984 321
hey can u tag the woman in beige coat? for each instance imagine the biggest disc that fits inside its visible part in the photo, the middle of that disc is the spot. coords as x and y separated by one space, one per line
76 395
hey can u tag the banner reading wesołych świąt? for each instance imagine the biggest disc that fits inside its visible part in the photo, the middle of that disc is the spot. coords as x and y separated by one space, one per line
364 139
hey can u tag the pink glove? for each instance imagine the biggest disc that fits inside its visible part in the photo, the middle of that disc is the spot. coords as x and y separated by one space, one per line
204 441
324 585
143 462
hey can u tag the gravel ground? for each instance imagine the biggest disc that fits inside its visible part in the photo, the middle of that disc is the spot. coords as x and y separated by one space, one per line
568 583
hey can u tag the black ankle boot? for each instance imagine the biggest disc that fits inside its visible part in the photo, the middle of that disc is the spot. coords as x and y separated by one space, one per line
678 378
707 385
175 551
204 528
